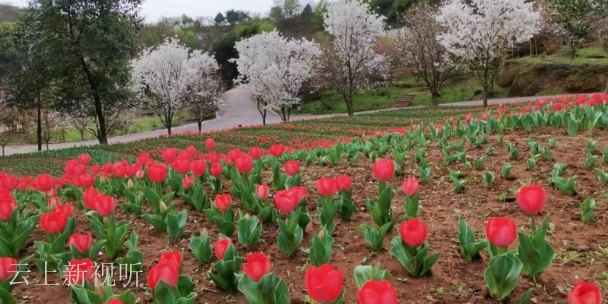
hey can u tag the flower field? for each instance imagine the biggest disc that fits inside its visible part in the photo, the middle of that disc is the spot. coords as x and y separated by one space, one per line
431 205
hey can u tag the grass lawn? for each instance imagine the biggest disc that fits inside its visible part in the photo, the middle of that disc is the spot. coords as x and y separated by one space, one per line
381 98
463 90
591 55
140 124
386 97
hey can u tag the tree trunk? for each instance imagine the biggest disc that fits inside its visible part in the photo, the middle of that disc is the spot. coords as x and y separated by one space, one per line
81 134
101 120
200 126
485 95
606 90
3 150
47 145
572 50
264 117
39 124
435 99
349 106
169 129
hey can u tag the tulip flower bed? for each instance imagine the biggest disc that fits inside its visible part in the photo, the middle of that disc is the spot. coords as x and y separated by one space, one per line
506 205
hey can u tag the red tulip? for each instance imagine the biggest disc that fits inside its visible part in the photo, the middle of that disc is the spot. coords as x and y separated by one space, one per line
323 284
257 266
80 270
220 248
276 150
413 232
169 155
216 169
585 293
85 181
95 169
244 164
167 272
256 153
67 210
262 191
210 143
6 196
384 169
287 200
558 107
174 257
53 222
188 181
377 292
501 231
292 167
8 204
131 171
222 201
73 167
105 205
115 301
344 182
233 154
82 242
184 155
157 173
6 210
8 268
191 150
44 182
90 198
410 187
198 167
84 159
182 166
531 199
107 168
326 186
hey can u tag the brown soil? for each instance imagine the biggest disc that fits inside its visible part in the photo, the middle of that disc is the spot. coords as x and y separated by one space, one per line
581 252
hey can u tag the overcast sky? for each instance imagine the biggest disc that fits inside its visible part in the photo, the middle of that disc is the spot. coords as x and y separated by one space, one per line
154 9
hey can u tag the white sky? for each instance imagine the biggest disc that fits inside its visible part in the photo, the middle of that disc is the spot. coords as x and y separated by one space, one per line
154 9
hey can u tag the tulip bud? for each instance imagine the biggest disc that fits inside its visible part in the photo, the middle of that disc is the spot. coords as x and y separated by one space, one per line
162 206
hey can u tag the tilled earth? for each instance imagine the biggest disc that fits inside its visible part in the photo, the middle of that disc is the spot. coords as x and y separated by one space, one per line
581 249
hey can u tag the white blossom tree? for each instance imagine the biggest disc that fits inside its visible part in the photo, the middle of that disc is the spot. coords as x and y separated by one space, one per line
274 68
479 32
163 77
350 57
416 47
205 93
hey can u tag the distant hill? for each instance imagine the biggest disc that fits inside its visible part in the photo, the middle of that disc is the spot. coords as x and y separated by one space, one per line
8 13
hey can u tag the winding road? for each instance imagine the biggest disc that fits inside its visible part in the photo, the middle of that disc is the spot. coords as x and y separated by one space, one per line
240 110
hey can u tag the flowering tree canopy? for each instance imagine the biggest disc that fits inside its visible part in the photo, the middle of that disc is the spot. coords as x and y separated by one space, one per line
274 68
205 95
478 32
164 76
350 57
576 18
416 47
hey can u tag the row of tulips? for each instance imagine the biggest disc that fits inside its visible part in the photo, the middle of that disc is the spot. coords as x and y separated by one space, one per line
186 172
413 232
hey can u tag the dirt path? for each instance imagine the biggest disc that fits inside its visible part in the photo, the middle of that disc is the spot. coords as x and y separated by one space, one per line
240 110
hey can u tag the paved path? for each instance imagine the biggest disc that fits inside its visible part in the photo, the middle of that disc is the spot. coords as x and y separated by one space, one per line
240 110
